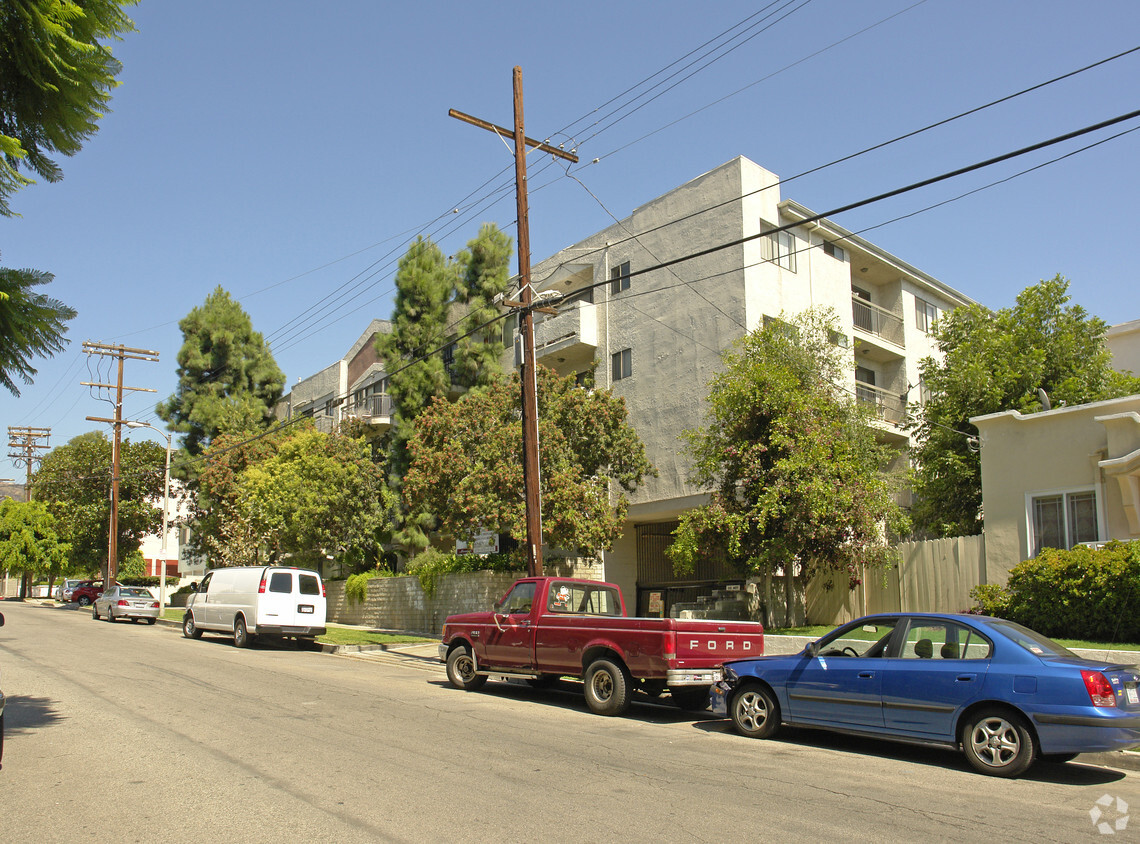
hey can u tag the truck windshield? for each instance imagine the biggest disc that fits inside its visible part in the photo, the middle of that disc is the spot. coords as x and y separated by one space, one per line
584 599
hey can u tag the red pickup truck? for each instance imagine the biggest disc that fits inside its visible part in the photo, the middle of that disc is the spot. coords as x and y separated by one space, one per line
545 628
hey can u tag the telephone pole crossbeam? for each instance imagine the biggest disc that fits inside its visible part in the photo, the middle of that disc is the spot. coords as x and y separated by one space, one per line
531 473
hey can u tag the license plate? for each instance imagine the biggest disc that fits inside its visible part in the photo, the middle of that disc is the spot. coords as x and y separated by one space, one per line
1131 695
305 608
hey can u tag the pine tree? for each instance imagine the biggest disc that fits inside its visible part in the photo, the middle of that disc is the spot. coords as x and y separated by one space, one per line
485 273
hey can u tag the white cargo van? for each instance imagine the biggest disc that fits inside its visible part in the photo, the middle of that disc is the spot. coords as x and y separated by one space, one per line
257 601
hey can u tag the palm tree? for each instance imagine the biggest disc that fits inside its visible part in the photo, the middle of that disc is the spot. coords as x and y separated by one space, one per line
30 324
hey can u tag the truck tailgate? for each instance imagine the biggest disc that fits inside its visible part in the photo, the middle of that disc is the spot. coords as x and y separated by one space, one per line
710 642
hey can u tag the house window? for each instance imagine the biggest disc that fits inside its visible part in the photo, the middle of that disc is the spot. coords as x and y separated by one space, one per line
779 248
622 364
1063 520
619 278
925 315
585 379
834 251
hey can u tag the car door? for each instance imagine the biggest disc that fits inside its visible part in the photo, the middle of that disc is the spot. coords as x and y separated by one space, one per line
510 641
841 684
938 668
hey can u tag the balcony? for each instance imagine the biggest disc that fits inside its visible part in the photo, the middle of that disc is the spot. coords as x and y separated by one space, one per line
568 340
375 411
876 321
885 405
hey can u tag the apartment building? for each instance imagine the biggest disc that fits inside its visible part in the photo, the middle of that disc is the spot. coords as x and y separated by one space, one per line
656 337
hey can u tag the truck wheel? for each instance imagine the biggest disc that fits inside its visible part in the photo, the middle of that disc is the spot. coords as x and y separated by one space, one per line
461 671
242 638
692 698
189 628
755 713
607 687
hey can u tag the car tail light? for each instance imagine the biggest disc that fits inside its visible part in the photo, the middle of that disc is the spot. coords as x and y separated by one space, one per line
122 602
261 586
1099 689
154 605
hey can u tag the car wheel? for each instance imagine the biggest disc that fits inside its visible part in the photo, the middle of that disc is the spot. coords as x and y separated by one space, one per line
84 601
755 712
94 612
607 687
690 698
111 615
998 743
189 629
241 634
461 671
151 620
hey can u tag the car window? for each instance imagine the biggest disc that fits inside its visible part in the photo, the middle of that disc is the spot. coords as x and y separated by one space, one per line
1031 640
868 639
519 600
310 584
943 639
583 598
281 581
134 593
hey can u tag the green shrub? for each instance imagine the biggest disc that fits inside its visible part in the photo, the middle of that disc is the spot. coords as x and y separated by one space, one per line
356 586
430 565
1079 594
991 600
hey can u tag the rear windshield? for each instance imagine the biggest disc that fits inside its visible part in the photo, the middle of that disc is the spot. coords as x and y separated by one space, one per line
135 593
280 581
310 584
1031 640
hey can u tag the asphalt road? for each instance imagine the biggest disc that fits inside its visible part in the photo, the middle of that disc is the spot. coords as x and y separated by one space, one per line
132 733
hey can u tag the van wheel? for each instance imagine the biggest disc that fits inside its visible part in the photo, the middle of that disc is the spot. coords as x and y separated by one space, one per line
189 629
461 671
242 638
607 687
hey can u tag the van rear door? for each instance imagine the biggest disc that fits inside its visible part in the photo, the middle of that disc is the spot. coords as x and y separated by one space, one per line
292 599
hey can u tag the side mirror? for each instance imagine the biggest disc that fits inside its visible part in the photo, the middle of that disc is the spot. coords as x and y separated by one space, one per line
812 649
194 586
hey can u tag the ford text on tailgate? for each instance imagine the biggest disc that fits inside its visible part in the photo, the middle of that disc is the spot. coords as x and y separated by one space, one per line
546 628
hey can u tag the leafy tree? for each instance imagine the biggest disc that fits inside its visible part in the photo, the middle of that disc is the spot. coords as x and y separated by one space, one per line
319 493
74 481
29 542
993 361
467 463
485 273
795 474
227 378
56 78
30 323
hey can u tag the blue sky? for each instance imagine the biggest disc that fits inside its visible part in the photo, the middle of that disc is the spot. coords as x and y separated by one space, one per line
288 151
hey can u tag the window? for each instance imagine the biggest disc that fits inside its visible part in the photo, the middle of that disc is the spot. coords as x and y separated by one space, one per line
579 598
281 581
943 640
1063 520
779 248
519 600
834 251
622 364
925 315
585 379
619 278
309 583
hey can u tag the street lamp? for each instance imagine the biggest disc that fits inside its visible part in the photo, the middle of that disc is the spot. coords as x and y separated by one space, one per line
165 511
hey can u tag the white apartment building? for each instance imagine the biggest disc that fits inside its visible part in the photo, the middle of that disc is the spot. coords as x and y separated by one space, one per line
656 337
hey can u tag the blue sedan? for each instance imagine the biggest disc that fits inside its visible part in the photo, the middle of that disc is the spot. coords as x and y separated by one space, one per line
999 692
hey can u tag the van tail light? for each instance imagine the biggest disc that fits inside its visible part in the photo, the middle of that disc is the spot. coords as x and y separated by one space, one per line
670 644
1099 689
261 586
323 589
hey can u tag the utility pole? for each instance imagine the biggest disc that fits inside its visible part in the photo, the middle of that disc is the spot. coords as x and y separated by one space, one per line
531 475
23 440
122 354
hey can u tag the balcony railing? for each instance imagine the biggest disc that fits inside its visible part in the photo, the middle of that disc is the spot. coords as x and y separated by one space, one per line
373 409
886 405
875 320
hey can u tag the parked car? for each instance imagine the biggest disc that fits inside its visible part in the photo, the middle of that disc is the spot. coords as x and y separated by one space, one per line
250 601
133 602
1001 693
64 591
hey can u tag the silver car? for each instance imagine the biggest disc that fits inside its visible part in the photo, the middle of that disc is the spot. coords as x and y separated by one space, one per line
133 602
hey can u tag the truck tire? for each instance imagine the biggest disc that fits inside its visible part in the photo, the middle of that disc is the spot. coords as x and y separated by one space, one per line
607 687
461 671
691 698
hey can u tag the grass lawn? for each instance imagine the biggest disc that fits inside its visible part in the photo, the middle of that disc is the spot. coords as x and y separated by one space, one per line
335 635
